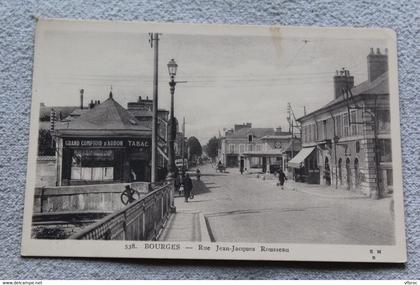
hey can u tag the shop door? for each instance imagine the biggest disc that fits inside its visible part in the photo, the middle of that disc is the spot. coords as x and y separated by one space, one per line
348 173
140 170
327 172
264 164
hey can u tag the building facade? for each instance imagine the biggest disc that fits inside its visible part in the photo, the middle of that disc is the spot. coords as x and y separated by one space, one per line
142 109
105 144
265 148
347 143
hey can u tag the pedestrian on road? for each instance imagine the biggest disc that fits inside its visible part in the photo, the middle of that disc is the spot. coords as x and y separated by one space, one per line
187 186
198 174
282 178
177 181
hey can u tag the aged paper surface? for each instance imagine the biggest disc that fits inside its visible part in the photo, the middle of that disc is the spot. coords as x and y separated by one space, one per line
190 141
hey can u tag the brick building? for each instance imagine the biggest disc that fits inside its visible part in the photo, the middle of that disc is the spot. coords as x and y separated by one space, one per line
347 143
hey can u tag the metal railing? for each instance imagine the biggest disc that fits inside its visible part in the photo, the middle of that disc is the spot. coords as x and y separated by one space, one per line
141 220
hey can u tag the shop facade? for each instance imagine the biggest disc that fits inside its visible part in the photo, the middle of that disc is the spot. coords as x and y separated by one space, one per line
267 149
106 144
347 143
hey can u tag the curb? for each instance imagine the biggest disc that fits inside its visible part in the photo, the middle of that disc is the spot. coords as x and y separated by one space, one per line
356 196
205 236
164 228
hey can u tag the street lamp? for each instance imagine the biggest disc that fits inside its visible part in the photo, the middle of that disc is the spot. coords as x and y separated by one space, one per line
172 68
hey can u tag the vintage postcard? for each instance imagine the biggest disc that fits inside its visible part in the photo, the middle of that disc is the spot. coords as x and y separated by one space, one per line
190 141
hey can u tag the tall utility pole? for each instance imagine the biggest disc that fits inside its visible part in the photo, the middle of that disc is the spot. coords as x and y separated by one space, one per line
291 127
293 123
183 142
154 43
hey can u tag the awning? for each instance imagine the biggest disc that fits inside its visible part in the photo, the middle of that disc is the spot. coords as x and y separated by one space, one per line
296 162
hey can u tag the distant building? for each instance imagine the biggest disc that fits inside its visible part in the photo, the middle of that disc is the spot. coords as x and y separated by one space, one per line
142 109
347 143
265 148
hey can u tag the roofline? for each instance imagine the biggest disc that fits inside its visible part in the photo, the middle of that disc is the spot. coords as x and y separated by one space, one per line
90 133
358 96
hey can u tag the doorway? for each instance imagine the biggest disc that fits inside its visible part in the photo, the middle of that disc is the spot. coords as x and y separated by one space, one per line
327 172
348 173
264 164
340 172
139 171
356 173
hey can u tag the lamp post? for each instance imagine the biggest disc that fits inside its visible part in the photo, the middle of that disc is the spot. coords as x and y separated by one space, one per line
172 68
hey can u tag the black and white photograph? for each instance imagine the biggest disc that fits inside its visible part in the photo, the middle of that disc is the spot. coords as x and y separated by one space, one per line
214 142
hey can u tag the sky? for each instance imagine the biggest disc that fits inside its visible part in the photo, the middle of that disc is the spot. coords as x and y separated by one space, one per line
230 79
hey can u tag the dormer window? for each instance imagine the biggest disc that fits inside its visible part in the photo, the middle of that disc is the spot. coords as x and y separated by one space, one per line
249 138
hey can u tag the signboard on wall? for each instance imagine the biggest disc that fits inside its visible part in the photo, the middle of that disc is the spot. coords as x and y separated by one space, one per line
135 143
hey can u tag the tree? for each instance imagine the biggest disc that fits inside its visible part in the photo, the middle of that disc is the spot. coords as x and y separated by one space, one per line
195 147
46 145
212 147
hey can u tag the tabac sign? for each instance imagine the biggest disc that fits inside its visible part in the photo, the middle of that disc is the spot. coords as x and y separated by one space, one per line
143 143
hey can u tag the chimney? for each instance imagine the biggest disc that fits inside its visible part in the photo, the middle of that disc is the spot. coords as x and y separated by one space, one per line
377 64
342 81
81 98
139 99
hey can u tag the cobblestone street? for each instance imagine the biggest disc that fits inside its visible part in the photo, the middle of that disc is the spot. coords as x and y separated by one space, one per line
244 208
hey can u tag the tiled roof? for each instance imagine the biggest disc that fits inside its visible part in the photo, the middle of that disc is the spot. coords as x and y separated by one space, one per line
278 135
379 86
108 115
256 132
141 113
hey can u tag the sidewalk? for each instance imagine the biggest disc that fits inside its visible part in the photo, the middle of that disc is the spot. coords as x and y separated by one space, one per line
324 191
185 225
312 189
182 226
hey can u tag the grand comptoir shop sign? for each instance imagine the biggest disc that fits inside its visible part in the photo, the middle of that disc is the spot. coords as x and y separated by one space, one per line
136 143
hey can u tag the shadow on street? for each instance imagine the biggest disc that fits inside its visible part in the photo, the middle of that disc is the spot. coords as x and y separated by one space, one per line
199 187
215 174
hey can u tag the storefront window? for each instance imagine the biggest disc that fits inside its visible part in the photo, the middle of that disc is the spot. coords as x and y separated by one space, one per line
338 126
389 177
361 122
383 120
93 164
346 125
353 123
385 150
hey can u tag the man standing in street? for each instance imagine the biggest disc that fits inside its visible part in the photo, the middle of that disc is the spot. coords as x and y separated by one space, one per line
282 178
187 186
